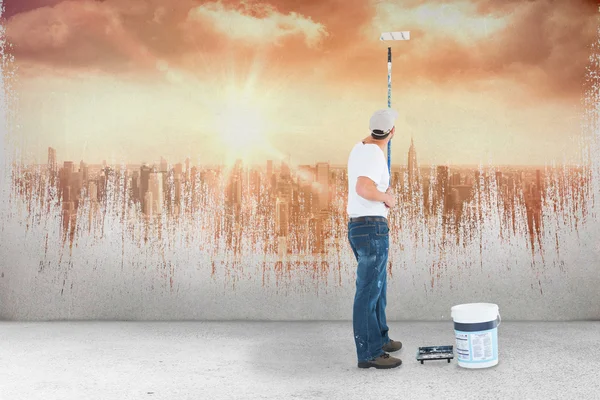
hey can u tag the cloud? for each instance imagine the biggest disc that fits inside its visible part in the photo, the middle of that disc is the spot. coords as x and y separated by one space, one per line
257 24
542 45
134 36
546 46
14 7
74 34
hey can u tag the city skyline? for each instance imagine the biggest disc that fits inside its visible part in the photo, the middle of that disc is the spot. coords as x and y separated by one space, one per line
290 161
308 191
166 166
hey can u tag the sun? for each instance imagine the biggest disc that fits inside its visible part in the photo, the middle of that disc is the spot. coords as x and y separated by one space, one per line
242 127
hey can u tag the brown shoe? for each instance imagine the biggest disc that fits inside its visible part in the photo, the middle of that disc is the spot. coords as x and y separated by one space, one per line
392 346
384 361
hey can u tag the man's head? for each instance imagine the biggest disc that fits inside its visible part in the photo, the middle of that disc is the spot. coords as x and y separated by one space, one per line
383 124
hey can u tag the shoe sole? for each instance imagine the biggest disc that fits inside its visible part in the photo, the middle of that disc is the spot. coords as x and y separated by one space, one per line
378 366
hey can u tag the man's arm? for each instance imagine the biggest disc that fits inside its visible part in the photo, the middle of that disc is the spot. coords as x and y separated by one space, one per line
367 189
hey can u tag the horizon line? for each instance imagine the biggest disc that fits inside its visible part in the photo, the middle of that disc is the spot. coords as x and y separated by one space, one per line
335 165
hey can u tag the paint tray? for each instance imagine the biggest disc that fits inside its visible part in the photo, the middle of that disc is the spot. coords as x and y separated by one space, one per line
430 353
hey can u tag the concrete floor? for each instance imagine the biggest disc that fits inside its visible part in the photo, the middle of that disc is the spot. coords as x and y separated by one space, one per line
281 360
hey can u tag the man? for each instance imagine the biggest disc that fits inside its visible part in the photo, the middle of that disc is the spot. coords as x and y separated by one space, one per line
369 200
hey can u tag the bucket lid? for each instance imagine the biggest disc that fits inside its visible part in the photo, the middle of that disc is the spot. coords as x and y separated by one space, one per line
474 312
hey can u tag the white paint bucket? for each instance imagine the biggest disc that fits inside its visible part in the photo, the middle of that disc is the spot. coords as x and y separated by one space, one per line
476 332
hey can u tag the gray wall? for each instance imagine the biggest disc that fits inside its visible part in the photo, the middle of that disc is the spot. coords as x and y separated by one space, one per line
114 279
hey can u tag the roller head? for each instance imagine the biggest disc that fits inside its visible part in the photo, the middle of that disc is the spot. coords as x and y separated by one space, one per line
403 35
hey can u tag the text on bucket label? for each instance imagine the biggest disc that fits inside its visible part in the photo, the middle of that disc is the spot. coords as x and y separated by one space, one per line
475 346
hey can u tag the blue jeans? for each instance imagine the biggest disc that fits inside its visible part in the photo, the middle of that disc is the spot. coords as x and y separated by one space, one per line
369 239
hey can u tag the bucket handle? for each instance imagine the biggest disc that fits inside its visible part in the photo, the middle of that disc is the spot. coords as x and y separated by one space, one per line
499 320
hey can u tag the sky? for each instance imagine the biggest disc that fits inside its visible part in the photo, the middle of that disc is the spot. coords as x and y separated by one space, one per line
479 81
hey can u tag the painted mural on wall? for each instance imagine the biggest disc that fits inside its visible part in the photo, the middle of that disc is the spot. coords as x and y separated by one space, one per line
214 134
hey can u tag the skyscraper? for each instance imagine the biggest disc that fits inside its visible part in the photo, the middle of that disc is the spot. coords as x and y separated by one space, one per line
52 166
84 171
455 180
156 188
178 169
282 217
285 169
413 167
442 178
69 166
52 160
65 180
135 187
144 184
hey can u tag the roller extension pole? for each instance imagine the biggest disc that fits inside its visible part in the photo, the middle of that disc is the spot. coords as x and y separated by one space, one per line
389 36
389 149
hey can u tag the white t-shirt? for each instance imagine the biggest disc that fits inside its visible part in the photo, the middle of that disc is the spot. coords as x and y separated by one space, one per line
367 160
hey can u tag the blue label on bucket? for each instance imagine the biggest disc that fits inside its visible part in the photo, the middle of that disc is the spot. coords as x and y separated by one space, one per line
477 347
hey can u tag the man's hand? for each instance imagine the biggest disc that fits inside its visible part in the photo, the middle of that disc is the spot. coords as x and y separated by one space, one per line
390 199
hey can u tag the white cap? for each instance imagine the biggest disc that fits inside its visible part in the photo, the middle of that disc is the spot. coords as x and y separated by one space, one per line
383 120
